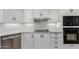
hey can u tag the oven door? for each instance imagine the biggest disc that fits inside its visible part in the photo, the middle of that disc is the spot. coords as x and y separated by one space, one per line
71 36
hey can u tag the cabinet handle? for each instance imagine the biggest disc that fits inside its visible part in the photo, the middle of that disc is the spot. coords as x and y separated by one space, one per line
56 42
56 38
72 45
56 34
56 46
32 36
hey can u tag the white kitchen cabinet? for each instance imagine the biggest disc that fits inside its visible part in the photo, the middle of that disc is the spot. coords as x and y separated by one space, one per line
56 40
13 15
28 15
31 14
1 15
64 12
56 45
41 40
40 13
69 12
53 15
74 12
27 41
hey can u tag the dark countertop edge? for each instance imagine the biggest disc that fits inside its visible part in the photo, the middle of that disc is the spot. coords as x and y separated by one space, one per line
10 34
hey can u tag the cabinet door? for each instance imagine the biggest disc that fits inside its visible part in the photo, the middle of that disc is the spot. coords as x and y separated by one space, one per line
28 15
40 13
41 40
27 40
74 12
64 12
1 15
53 15
13 15
20 15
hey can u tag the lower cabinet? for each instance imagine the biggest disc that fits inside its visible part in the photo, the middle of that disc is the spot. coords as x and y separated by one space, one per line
41 40
35 40
27 41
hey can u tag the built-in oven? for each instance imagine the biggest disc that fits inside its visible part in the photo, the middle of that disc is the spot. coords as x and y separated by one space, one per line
71 29
71 35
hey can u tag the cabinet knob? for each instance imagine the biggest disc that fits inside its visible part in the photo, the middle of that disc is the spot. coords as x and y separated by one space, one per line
14 18
41 36
41 14
71 10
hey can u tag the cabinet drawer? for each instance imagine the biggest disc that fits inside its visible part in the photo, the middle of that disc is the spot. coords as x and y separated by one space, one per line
56 47
56 39
56 35
56 44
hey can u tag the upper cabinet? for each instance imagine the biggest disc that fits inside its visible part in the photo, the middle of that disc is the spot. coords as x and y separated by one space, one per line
64 12
39 13
1 15
74 12
69 12
13 15
31 14
52 14
28 15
